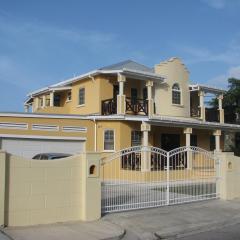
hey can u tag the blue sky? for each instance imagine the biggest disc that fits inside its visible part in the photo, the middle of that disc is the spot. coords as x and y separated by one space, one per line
43 42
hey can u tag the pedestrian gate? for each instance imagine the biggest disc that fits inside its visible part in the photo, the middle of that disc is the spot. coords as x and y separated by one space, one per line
144 177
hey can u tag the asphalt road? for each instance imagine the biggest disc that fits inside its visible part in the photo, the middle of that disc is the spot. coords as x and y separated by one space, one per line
231 232
3 236
226 233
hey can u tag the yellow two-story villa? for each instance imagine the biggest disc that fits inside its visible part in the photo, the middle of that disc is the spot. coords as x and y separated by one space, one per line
117 107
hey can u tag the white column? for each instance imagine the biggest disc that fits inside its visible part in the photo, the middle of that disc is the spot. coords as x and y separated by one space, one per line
51 99
121 99
36 104
217 134
26 108
220 108
146 154
149 86
201 102
44 101
188 132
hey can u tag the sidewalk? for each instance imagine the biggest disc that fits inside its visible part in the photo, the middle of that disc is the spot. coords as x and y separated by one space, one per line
156 223
178 220
66 231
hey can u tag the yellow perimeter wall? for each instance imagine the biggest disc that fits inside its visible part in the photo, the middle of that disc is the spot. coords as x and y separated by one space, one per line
41 192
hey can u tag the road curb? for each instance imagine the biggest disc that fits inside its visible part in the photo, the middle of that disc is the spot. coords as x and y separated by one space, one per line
5 234
119 237
196 229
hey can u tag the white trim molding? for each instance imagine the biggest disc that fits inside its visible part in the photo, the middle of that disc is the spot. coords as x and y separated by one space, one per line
11 125
42 137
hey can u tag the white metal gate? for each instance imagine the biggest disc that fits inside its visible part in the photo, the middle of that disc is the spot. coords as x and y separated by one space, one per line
143 177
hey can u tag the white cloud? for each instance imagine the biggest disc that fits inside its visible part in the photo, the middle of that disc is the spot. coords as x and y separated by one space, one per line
234 72
229 55
217 4
221 80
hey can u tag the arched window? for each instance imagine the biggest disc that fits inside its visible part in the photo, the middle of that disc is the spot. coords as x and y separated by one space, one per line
176 94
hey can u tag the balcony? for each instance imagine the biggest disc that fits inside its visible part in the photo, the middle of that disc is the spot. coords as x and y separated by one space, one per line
232 118
109 106
212 115
133 106
195 112
136 106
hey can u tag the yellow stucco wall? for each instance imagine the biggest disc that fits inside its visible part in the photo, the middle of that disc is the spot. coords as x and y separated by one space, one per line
227 184
176 72
89 135
42 192
122 131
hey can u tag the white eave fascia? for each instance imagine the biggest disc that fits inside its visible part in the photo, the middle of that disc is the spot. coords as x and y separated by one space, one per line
95 72
197 123
144 75
206 88
160 120
59 88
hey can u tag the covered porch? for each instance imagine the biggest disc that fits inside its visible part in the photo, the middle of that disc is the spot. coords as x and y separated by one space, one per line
151 143
132 94
200 99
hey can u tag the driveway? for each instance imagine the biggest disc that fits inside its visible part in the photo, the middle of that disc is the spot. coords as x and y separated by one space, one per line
198 220
176 221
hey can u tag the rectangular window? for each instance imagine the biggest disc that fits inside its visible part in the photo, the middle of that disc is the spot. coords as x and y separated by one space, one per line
212 143
108 140
193 140
69 96
136 138
81 100
40 102
57 99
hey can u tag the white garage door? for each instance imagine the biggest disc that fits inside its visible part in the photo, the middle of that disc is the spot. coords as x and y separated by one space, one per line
30 147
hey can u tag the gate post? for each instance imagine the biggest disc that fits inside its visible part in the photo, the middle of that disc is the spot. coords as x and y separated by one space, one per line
2 186
91 187
146 153
188 132
168 179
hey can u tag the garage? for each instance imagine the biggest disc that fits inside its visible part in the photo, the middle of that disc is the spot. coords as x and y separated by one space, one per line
29 147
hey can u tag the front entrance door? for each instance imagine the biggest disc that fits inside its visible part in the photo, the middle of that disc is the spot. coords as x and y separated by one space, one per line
170 141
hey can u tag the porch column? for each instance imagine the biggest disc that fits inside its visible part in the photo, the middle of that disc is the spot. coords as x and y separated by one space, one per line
26 108
217 134
121 98
37 103
202 107
188 132
44 101
149 86
146 154
220 108
51 99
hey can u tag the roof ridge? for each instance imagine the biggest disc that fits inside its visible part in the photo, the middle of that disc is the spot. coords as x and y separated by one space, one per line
125 62
115 64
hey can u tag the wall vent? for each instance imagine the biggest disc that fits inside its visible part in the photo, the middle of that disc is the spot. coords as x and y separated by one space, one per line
9 125
74 129
45 127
